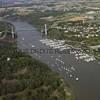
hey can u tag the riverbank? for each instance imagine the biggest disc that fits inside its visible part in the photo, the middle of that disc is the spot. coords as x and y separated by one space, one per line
76 34
77 72
22 77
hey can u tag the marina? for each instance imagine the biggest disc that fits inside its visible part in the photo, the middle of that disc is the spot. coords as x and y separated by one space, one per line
82 74
60 44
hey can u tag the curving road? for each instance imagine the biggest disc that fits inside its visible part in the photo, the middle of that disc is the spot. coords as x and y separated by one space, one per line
84 77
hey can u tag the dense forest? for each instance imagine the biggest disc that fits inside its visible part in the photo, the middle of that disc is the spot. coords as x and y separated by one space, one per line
25 78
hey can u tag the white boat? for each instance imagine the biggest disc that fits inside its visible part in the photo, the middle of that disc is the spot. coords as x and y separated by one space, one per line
57 46
43 42
76 54
87 60
77 58
80 54
77 79
33 46
63 49
23 39
84 56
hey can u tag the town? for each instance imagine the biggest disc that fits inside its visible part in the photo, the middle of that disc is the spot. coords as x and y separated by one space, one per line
49 49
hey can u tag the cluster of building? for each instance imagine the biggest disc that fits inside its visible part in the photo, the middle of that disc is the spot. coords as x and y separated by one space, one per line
81 30
62 6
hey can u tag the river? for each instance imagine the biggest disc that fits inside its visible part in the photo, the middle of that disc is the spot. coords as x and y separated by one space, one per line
88 73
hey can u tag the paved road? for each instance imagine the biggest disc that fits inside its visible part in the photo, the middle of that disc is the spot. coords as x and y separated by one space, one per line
84 77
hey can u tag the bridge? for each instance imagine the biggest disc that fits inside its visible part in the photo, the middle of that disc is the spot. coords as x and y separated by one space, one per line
8 23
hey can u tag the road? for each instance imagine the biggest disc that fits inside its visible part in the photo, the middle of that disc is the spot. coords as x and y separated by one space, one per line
84 77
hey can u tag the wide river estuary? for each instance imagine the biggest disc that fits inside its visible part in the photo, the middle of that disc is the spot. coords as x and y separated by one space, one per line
84 77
